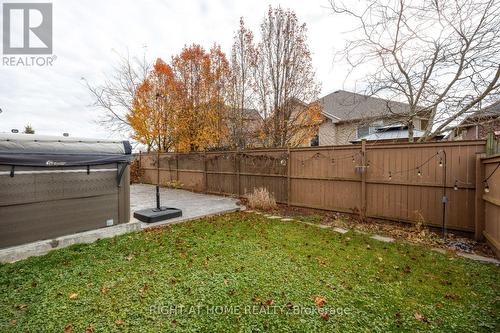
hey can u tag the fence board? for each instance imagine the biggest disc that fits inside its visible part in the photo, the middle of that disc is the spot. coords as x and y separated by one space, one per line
492 202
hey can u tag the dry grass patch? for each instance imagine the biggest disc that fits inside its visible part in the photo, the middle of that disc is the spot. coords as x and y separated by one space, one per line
260 198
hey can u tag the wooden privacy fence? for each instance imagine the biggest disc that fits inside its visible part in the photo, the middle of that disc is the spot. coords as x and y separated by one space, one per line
490 192
398 182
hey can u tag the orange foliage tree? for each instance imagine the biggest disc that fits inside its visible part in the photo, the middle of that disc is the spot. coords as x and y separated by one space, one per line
182 106
202 79
154 112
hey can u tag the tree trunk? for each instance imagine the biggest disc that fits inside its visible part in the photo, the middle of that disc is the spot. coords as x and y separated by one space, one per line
410 131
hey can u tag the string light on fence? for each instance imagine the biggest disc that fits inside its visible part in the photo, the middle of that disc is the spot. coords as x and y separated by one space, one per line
485 181
419 173
455 187
440 161
390 175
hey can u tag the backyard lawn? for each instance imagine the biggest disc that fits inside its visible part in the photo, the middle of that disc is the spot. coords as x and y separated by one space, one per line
244 272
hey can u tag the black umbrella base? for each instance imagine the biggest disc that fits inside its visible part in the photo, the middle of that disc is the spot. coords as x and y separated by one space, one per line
152 215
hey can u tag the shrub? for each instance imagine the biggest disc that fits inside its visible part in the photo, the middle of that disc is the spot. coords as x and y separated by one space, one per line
260 198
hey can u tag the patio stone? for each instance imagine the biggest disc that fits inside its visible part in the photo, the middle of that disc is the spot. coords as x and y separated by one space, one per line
477 257
440 250
383 238
287 219
273 217
340 230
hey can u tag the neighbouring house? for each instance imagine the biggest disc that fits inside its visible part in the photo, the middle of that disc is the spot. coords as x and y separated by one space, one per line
479 124
249 132
303 125
350 117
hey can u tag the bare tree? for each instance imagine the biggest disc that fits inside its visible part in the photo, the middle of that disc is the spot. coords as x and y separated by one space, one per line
240 93
442 57
283 75
116 94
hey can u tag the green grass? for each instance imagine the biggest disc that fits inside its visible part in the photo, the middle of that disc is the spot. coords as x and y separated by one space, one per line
262 271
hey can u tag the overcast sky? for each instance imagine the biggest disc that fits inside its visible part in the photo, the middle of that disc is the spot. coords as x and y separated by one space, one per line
88 34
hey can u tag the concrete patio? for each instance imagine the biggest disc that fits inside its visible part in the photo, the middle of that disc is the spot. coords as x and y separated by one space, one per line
193 205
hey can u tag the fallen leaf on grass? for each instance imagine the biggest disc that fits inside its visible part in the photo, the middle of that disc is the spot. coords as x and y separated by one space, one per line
129 257
119 322
205 262
174 322
104 290
89 329
420 317
451 296
269 302
324 315
68 328
73 296
142 290
21 306
226 281
320 301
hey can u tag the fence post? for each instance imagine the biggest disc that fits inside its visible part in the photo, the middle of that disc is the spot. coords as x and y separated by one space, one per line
205 177
288 175
141 173
479 202
364 170
158 167
237 165
490 141
177 167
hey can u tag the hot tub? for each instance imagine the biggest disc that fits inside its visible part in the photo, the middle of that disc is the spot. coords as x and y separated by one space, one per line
55 186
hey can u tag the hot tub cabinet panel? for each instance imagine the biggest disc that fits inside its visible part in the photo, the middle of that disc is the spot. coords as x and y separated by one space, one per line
43 202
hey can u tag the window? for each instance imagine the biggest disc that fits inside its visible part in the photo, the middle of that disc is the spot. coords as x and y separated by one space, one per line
423 124
315 141
363 131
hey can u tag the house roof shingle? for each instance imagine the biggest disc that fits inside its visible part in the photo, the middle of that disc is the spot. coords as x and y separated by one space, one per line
490 112
348 106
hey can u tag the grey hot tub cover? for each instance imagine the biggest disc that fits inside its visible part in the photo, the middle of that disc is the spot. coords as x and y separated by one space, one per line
39 150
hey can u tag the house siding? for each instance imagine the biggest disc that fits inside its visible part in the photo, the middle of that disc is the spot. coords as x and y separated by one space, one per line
327 133
331 134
